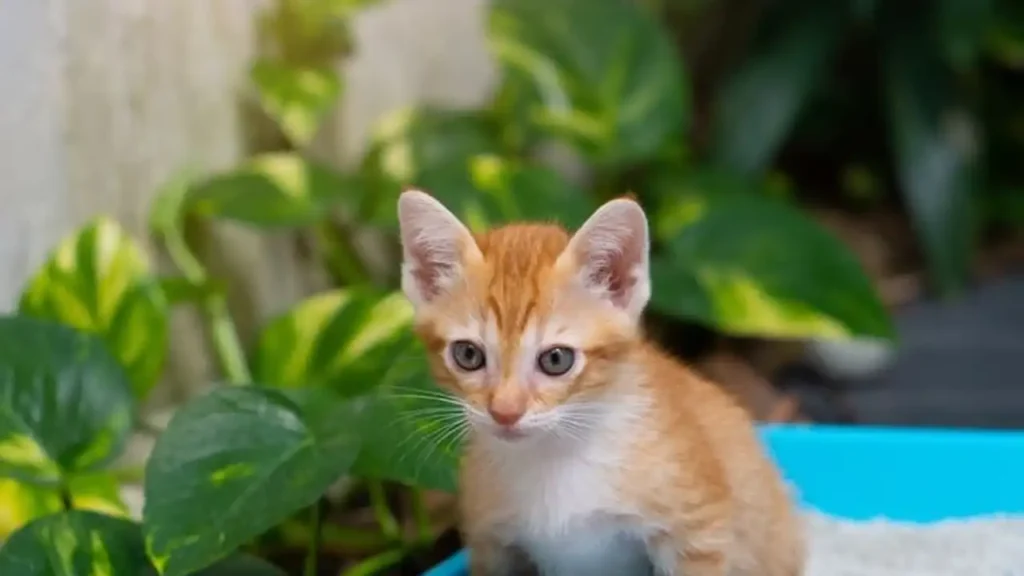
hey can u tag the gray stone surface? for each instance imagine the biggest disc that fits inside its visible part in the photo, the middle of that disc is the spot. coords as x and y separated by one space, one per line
959 363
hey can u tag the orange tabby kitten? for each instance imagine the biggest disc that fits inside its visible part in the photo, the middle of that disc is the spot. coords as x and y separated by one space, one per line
591 452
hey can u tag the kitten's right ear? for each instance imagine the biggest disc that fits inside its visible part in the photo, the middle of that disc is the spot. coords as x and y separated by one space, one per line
435 246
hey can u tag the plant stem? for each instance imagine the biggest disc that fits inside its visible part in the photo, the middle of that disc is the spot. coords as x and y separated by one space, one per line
375 564
378 501
66 499
223 333
129 474
226 341
313 552
147 428
424 529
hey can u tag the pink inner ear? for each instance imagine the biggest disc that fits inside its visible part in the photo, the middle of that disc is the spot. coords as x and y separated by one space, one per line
614 270
429 271
611 250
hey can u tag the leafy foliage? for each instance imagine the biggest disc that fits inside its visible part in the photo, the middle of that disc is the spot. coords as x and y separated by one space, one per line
340 339
422 442
297 98
66 403
760 104
752 265
76 543
236 462
276 189
425 147
98 280
338 387
605 74
933 135
22 502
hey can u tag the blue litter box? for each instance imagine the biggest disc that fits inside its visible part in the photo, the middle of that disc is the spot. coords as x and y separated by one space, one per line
908 474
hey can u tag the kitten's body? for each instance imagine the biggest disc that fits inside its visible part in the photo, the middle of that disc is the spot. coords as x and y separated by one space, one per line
625 464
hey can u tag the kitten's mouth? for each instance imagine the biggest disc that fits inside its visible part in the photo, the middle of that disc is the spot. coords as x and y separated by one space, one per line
509 434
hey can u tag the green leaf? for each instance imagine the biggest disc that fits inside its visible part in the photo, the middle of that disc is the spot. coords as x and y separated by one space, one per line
342 339
934 139
422 441
97 281
505 191
274 189
81 543
65 403
750 265
236 462
21 503
759 105
606 74
357 341
75 543
426 147
296 97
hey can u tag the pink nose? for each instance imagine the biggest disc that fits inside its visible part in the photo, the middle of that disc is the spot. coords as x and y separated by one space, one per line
504 416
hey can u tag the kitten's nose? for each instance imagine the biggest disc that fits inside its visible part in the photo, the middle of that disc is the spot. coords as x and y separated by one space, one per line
504 414
507 403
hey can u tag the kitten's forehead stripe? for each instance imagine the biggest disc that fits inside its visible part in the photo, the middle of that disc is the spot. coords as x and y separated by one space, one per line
520 257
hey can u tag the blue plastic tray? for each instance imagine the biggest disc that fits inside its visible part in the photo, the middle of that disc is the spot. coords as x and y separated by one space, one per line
908 474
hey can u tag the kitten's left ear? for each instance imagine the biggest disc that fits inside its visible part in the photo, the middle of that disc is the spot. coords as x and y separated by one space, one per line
610 254
436 246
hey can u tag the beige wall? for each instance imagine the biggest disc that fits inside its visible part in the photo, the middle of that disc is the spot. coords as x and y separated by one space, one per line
104 100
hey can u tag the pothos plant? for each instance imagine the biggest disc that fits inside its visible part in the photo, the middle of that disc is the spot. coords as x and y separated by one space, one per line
337 387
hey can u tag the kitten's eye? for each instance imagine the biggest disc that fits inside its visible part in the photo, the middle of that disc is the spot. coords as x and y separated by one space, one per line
556 361
467 355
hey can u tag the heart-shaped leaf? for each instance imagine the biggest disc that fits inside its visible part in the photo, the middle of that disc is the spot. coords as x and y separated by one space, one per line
422 441
236 462
271 190
97 280
81 542
296 97
760 103
355 341
343 339
606 74
426 147
750 265
73 544
65 403
21 503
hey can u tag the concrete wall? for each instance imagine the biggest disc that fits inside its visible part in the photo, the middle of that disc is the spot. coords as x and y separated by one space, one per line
104 100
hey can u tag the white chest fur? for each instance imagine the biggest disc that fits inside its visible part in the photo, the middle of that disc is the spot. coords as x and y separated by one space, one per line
566 515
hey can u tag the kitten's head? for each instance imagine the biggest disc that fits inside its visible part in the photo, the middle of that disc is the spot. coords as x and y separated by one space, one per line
530 327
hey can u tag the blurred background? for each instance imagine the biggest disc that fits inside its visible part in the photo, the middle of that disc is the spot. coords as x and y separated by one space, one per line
835 189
